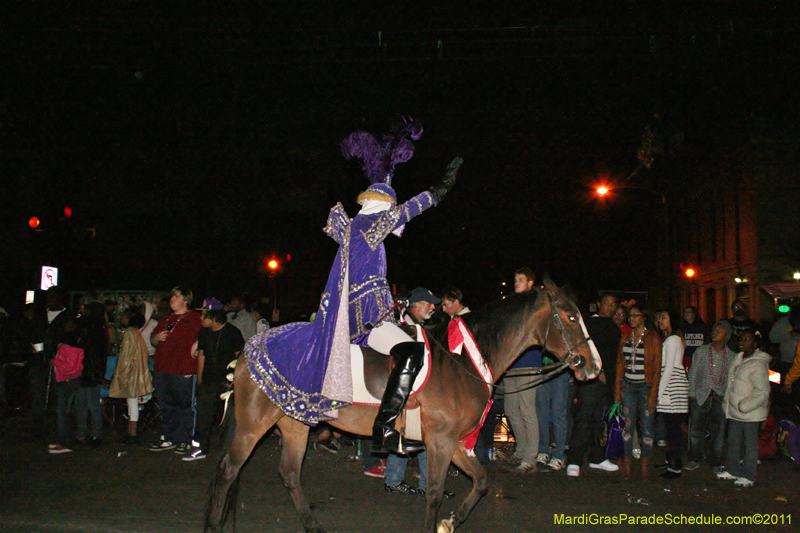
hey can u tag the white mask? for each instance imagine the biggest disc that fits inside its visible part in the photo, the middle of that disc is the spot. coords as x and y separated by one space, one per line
370 207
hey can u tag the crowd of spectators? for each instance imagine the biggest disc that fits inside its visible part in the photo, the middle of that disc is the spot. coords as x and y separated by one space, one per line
709 386
171 359
664 369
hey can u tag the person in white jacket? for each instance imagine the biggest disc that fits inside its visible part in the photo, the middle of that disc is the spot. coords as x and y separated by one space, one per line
673 389
746 405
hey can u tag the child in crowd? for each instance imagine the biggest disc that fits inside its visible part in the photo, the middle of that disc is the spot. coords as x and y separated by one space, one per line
132 378
746 405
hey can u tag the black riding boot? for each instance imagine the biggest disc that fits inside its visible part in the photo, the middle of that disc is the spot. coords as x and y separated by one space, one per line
408 357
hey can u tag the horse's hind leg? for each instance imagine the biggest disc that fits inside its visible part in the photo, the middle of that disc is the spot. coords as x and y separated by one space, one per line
295 439
474 469
255 414
226 479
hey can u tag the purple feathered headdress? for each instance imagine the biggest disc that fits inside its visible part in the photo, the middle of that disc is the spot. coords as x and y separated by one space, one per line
380 157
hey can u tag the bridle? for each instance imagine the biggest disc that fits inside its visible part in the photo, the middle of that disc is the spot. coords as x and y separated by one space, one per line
543 373
579 360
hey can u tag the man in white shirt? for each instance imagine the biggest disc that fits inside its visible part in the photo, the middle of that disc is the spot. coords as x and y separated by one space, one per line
241 317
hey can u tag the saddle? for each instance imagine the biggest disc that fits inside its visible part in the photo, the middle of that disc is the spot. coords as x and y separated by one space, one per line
370 372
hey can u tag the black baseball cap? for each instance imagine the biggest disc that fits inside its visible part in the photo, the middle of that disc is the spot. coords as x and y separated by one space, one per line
421 294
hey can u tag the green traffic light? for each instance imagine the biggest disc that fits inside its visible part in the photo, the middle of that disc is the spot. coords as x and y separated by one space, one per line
783 308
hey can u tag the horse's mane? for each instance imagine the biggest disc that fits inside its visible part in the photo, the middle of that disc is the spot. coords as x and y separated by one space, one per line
491 324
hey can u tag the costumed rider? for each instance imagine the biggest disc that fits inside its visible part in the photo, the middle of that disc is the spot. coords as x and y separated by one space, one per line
305 367
379 216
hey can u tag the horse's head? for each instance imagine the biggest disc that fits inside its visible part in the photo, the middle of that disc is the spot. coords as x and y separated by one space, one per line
566 335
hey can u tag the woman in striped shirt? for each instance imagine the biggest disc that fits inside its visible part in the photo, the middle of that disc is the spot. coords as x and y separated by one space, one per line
636 387
673 389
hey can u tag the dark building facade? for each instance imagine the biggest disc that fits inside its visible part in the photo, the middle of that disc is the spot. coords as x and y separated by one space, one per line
738 229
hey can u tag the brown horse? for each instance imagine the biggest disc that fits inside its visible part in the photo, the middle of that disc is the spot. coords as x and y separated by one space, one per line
452 404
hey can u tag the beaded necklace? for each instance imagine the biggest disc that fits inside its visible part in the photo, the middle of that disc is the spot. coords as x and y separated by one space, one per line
632 359
169 327
714 380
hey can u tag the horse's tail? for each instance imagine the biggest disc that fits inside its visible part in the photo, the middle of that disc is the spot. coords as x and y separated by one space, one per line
218 494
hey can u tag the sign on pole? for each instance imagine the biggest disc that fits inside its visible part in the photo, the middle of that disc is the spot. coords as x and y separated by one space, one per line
49 277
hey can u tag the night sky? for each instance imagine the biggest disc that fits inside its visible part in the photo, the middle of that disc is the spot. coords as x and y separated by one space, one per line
191 144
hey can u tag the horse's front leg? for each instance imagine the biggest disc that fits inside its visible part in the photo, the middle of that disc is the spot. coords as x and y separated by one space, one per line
295 439
440 452
480 486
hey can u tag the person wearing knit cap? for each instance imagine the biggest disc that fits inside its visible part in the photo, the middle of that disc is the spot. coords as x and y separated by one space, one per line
305 367
708 378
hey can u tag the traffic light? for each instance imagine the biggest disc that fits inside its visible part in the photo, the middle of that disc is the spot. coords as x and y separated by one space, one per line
689 272
34 222
273 265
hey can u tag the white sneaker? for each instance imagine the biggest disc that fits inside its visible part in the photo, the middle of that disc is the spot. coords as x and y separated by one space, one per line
606 465
555 464
525 467
542 458
637 453
724 474
573 470
743 482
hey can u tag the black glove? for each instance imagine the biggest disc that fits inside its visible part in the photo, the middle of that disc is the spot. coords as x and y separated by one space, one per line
439 190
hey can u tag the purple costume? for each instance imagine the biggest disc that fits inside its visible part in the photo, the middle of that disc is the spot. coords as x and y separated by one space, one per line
305 367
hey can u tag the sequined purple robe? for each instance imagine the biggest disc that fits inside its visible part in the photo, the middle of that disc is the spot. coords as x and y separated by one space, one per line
305 367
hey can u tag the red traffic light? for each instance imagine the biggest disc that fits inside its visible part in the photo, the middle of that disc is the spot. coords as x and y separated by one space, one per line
68 212
689 272
273 264
34 222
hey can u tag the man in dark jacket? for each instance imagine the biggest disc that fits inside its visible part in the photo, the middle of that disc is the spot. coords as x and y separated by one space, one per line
595 395
47 327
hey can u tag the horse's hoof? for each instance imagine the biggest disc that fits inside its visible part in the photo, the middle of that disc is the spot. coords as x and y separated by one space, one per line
445 526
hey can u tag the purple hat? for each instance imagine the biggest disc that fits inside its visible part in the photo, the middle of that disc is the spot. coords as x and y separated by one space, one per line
211 304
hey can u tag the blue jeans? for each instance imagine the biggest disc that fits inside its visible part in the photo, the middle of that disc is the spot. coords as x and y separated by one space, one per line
175 394
741 459
552 399
708 415
635 409
87 405
396 469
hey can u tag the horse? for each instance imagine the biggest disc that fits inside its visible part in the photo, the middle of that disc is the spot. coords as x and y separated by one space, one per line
452 404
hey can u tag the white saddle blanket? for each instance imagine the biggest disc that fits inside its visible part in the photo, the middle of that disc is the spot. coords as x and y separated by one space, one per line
362 396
